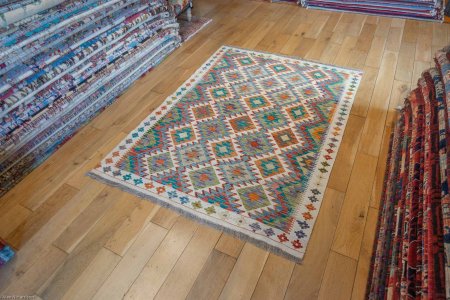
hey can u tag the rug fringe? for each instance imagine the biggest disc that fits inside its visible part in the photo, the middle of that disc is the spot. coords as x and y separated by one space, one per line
242 236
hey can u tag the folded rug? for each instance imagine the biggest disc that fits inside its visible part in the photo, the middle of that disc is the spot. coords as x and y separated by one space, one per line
245 145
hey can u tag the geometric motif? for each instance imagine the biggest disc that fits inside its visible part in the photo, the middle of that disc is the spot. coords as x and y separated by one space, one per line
224 149
212 129
183 135
234 76
255 144
284 97
245 88
309 92
285 138
256 72
203 178
219 93
247 144
297 112
191 155
279 68
160 162
202 112
270 166
237 172
256 102
230 107
253 197
270 118
242 124
317 75
270 83
246 61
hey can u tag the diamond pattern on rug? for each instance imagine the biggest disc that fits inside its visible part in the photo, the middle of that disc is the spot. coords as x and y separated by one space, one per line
256 102
270 166
241 124
183 135
224 149
159 162
297 112
191 155
255 144
233 106
285 138
246 144
212 129
203 178
202 112
271 118
237 172
253 197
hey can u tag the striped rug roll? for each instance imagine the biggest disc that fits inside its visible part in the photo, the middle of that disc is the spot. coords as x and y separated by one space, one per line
412 248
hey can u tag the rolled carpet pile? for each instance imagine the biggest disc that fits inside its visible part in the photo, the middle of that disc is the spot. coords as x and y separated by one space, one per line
409 9
60 67
412 247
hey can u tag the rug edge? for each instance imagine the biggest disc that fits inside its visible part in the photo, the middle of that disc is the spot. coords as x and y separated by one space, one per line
241 236
293 57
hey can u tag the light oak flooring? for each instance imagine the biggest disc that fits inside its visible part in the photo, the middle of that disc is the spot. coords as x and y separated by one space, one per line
80 239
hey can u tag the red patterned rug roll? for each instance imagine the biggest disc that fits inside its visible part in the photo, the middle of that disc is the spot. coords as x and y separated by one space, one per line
412 240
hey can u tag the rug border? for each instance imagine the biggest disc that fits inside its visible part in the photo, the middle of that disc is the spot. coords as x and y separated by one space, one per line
260 241
204 219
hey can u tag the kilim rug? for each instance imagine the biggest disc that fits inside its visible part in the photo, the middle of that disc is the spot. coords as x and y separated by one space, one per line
245 145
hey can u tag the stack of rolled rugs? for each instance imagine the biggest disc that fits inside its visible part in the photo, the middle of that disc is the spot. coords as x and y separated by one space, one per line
411 9
61 66
412 248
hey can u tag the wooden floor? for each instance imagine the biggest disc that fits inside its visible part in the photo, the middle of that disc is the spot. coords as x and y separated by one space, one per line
80 239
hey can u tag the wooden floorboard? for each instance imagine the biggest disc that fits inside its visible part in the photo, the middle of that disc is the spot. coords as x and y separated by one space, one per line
80 239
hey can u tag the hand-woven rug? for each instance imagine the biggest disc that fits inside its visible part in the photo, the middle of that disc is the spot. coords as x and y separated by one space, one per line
245 145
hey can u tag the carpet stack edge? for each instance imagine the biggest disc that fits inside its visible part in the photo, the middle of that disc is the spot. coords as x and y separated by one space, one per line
431 10
62 66
412 246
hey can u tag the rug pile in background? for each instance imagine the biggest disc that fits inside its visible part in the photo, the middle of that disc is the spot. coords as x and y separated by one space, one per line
245 145
62 66
414 9
412 247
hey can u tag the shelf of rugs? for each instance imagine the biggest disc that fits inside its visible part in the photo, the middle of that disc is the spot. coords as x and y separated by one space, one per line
415 9
432 10
60 67
411 257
